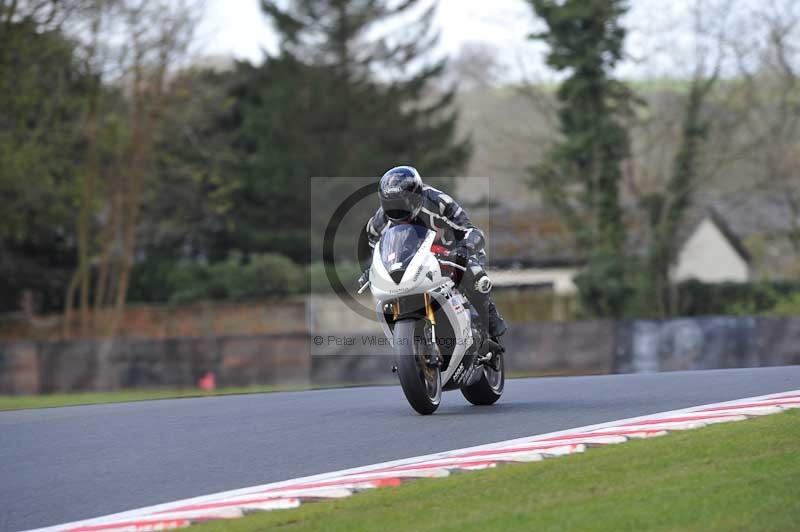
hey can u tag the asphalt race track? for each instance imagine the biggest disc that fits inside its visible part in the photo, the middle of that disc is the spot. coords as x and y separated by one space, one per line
64 464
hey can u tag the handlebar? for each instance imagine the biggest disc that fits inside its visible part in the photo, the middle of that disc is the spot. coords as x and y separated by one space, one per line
442 250
452 265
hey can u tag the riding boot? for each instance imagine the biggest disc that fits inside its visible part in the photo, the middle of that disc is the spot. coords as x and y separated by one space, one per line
494 323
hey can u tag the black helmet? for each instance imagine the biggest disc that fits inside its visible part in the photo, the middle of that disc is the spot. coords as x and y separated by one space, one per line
401 193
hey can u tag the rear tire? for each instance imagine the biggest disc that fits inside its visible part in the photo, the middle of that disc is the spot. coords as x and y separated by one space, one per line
488 389
421 383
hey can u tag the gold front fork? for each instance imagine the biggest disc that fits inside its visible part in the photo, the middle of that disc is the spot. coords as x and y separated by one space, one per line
429 309
428 300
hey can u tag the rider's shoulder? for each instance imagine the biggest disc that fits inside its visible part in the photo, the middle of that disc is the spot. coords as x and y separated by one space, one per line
376 223
438 198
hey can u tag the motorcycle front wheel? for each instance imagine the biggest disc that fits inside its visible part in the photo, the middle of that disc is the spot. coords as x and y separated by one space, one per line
421 382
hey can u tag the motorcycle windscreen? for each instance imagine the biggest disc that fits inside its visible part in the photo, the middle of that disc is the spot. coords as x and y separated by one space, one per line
399 244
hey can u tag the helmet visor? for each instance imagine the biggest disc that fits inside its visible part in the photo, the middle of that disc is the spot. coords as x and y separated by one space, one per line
402 207
398 215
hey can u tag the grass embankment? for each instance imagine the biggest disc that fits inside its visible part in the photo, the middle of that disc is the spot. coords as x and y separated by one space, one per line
23 402
735 476
20 402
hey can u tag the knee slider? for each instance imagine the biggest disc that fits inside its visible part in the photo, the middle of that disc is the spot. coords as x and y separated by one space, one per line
483 284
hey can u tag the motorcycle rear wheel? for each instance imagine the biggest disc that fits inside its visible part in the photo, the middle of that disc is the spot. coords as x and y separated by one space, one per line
488 389
421 382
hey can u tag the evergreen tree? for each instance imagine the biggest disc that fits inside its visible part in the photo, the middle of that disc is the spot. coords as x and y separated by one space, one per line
41 152
185 202
336 101
581 176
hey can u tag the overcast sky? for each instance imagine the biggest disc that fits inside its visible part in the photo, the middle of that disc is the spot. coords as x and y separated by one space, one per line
238 28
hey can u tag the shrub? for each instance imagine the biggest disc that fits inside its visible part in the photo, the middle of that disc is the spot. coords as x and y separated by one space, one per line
263 275
237 278
754 298
318 283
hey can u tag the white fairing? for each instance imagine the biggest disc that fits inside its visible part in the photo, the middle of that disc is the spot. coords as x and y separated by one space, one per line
423 275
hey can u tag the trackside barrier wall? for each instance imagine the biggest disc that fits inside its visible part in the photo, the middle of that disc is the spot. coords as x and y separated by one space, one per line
81 365
706 343
580 347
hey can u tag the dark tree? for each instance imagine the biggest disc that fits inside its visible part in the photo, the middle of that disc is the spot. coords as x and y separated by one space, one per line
41 151
186 201
581 175
336 101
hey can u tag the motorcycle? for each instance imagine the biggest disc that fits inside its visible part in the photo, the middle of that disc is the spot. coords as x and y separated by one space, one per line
435 333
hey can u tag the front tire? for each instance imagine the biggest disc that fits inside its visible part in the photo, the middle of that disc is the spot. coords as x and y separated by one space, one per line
421 383
488 389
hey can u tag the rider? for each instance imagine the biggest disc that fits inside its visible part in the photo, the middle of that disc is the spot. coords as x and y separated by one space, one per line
405 199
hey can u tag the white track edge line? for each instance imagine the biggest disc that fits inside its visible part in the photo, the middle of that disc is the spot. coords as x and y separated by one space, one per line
147 510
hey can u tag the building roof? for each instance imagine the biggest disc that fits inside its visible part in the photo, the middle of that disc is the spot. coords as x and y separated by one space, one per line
527 238
732 238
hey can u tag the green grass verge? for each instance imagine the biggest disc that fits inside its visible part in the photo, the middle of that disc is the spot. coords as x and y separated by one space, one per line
21 402
24 402
736 476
